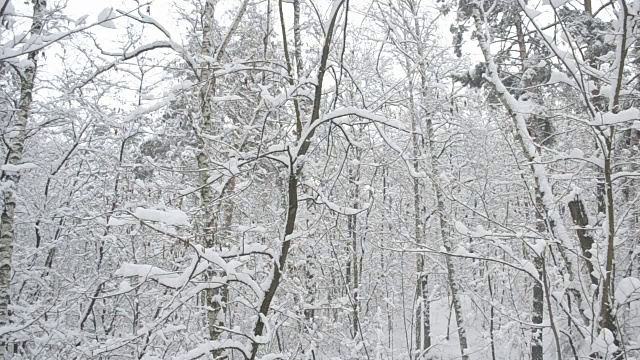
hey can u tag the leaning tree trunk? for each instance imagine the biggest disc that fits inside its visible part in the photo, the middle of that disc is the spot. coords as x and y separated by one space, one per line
624 27
544 192
292 188
15 151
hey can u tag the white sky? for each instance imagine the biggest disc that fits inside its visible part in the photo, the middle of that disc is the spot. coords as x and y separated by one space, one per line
165 12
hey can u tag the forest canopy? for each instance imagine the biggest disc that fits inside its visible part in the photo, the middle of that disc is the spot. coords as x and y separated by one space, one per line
320 179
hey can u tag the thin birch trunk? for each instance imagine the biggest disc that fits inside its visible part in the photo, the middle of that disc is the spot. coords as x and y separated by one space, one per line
537 316
446 239
423 323
423 339
213 298
535 127
354 267
15 146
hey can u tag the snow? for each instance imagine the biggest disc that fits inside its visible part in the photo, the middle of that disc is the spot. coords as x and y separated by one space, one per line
530 268
208 347
226 98
274 357
461 228
118 221
141 184
560 78
149 20
520 115
25 64
555 3
174 328
258 229
532 13
246 249
479 232
231 167
576 153
185 85
335 7
276 148
626 288
105 18
169 217
142 110
462 251
539 246
131 270
366 114
187 190
335 207
124 287
170 267
622 116
604 343
9 9
81 20
625 174
17 168
168 278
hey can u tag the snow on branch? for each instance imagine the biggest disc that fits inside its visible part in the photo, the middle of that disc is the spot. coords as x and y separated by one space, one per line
160 44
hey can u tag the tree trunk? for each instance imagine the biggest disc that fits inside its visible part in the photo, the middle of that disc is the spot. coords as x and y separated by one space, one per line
15 146
292 189
607 319
451 271
537 315
354 279
423 323
429 138
580 218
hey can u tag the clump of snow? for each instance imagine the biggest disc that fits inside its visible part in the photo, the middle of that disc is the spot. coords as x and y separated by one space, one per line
531 13
559 77
530 268
169 217
576 153
81 20
554 3
461 228
539 246
258 229
124 287
462 251
604 343
480 232
626 288
226 98
117 221
105 16
274 357
17 168
610 118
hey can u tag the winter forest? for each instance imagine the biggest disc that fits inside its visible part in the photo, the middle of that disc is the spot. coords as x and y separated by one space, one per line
320 179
